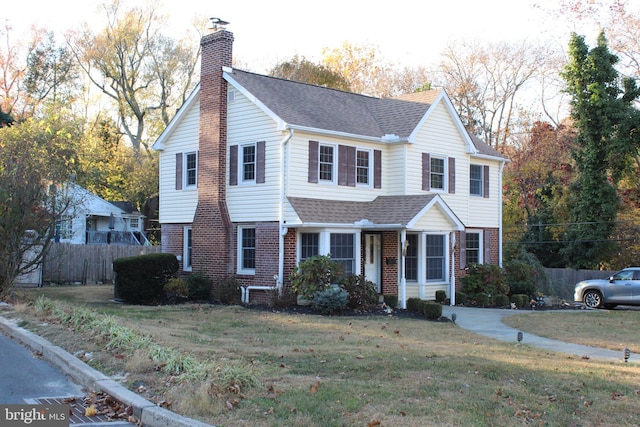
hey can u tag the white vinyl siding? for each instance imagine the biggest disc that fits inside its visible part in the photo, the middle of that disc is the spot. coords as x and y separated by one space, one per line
179 206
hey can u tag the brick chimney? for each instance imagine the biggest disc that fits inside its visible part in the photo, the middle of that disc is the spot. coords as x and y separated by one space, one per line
212 229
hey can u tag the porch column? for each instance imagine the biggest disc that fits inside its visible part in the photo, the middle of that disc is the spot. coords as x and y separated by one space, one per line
452 285
402 297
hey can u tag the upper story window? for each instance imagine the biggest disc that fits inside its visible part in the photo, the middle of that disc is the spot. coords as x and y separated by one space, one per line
191 169
437 174
248 162
363 167
326 162
475 180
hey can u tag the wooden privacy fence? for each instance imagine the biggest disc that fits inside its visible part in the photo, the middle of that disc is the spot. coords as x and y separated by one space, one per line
86 264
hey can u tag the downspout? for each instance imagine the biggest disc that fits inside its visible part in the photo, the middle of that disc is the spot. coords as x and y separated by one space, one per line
284 180
403 280
500 211
452 289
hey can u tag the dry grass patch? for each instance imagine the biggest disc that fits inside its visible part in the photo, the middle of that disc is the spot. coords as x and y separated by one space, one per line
611 329
357 371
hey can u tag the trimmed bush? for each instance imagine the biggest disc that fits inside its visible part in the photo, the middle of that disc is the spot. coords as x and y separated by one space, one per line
199 286
441 296
432 310
361 292
482 299
391 300
502 300
414 304
485 278
141 279
330 300
226 290
461 298
520 300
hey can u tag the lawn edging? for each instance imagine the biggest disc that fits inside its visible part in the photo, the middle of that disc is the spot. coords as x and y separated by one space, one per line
147 412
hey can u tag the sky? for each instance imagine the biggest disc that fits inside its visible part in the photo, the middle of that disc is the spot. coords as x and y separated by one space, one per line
407 32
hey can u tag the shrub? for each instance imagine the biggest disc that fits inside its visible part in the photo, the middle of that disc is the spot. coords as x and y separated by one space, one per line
502 300
432 310
482 299
226 290
414 304
441 296
461 298
199 286
177 287
521 277
520 300
315 274
485 278
361 292
391 300
141 279
330 300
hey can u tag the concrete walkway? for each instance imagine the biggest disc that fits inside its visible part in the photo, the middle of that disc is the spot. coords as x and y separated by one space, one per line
488 322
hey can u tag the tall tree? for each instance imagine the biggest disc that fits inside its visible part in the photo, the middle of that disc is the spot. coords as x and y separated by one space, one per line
485 83
607 125
141 70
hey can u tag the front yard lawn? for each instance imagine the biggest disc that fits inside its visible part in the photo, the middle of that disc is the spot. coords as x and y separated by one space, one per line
268 368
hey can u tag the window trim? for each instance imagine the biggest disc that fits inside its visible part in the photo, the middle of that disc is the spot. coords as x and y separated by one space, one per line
242 164
187 248
480 181
445 173
334 161
369 166
240 250
480 248
185 168
445 258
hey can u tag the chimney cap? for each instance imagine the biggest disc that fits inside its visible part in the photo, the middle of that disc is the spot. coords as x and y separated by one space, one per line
218 24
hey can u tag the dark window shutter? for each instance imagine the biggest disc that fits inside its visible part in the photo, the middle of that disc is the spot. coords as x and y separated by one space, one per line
260 162
426 172
377 169
485 177
487 247
351 166
452 175
314 149
233 165
343 164
463 250
178 171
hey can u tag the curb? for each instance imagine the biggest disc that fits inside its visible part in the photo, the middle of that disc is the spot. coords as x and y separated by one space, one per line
147 412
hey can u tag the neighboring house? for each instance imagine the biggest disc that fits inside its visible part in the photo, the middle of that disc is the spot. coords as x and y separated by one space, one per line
257 173
93 220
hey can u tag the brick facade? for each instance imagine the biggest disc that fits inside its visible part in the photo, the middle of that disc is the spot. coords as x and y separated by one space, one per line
172 239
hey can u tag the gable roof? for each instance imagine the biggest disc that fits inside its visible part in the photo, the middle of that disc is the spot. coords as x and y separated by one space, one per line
388 211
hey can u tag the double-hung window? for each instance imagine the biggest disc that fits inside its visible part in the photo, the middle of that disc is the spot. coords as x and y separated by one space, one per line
411 257
247 250
363 169
249 162
191 169
473 247
476 180
438 170
326 163
342 250
309 245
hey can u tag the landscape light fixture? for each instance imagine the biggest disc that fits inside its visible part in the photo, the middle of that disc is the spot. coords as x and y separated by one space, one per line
520 336
453 317
627 354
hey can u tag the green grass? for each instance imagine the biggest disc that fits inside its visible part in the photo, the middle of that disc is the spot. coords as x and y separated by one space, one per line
277 369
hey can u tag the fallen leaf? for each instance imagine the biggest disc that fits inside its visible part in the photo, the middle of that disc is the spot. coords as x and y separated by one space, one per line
314 387
359 356
229 405
269 412
90 411
374 423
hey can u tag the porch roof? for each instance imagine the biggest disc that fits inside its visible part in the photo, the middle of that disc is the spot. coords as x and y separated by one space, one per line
386 211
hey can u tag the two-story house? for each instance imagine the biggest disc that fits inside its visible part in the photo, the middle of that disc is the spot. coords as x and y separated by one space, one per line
257 173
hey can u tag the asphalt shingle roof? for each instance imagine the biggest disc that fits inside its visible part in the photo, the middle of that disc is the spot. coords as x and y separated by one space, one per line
317 107
384 210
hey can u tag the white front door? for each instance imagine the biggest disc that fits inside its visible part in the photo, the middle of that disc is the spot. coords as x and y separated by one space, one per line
373 259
